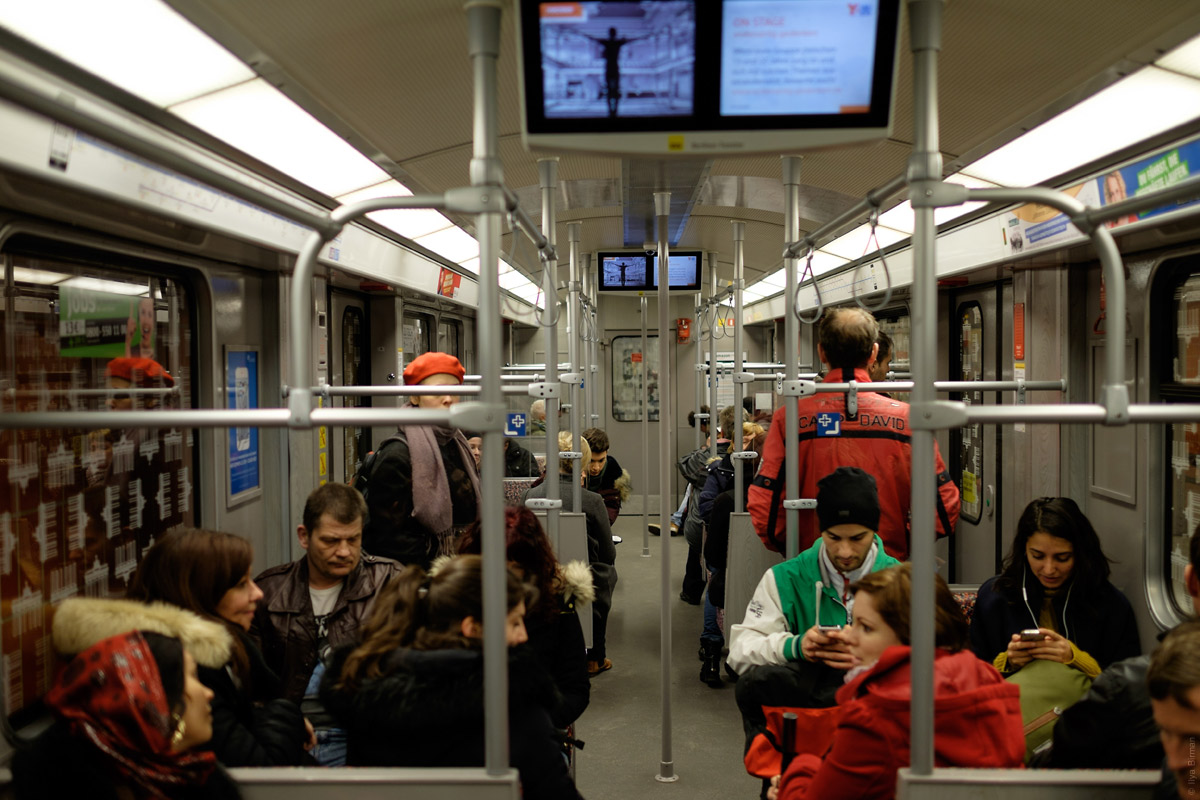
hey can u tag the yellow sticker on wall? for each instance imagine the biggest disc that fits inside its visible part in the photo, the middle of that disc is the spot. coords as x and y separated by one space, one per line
675 143
968 487
322 466
323 437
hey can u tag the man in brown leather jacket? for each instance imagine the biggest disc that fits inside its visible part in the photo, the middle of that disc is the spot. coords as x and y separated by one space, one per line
313 605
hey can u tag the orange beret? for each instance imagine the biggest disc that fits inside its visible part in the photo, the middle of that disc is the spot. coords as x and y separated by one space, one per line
150 372
433 364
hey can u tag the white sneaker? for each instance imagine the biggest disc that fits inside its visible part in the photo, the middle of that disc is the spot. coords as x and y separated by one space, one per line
617 539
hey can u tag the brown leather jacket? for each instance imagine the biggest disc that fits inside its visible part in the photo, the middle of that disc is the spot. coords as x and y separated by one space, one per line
285 629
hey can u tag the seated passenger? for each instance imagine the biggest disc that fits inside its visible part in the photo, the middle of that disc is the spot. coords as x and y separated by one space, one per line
602 553
605 476
977 715
208 573
412 693
475 445
1112 727
555 634
131 715
1173 680
519 462
414 527
1055 579
783 658
537 418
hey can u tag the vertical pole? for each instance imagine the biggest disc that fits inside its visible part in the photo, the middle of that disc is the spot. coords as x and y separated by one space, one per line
483 36
646 437
698 374
593 346
791 333
548 180
925 164
573 318
713 402
739 388
662 209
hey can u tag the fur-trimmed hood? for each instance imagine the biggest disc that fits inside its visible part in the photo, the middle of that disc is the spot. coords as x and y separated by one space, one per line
81 622
624 485
575 582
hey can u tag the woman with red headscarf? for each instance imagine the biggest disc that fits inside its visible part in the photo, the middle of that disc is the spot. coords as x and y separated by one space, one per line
414 527
129 708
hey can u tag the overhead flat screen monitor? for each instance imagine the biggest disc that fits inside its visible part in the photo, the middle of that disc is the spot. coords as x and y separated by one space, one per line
637 272
700 77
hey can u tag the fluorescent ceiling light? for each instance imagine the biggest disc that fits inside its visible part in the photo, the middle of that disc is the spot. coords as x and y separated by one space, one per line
471 265
142 46
860 242
511 280
1146 103
408 222
1185 58
901 217
98 285
453 243
257 118
39 276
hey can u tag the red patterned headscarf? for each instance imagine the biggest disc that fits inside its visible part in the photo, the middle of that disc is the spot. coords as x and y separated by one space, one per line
111 695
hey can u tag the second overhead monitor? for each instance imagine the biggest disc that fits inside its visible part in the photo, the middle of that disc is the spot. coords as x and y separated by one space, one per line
638 272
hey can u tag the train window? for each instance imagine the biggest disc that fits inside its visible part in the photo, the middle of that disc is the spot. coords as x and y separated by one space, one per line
416 328
79 507
970 437
449 336
629 363
354 373
1178 373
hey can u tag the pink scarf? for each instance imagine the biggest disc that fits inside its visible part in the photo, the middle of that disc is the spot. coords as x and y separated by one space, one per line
431 489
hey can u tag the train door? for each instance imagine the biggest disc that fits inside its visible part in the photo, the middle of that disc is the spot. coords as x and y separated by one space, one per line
978 331
349 366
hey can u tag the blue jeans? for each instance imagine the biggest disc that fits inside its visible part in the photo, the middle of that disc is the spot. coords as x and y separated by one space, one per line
331 747
677 517
712 631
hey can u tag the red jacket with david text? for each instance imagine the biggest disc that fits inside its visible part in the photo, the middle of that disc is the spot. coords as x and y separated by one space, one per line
877 440
977 723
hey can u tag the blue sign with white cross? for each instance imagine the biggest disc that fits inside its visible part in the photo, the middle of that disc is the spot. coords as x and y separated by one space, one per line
829 423
514 425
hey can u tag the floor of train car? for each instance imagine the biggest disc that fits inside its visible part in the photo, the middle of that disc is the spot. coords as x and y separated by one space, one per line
622 727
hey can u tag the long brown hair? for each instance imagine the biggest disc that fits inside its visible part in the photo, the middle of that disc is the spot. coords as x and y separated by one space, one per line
891 590
423 612
527 545
193 569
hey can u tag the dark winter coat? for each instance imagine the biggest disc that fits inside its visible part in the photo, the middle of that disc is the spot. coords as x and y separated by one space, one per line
427 710
557 641
602 553
390 530
286 629
1102 626
605 485
253 725
519 462
57 764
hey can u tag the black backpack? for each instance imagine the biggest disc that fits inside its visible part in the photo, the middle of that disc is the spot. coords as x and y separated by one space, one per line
362 478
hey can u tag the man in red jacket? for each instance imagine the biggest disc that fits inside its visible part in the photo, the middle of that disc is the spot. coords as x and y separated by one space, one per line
876 439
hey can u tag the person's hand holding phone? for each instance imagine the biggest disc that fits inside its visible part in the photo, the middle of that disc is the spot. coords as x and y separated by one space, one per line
824 643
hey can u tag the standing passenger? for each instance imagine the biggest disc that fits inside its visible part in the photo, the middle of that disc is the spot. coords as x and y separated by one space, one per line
412 693
414 527
319 602
876 438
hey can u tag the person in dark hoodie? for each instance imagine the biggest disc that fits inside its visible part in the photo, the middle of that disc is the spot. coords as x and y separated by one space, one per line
208 573
411 694
1055 579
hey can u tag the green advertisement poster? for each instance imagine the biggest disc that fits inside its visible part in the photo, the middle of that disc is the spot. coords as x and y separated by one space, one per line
104 325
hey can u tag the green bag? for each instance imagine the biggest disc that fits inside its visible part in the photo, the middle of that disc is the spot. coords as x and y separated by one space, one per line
1047 689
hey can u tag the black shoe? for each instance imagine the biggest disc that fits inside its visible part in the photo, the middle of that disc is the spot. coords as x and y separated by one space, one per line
675 530
655 529
690 599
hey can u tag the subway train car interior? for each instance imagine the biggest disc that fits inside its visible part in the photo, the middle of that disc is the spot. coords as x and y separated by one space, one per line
227 228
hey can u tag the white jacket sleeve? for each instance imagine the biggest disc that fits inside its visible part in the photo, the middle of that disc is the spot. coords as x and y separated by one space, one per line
761 636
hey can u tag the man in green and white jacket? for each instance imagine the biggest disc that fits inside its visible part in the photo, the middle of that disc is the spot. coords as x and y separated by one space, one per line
777 650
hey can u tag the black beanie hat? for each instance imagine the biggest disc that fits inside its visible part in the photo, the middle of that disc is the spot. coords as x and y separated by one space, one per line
848 495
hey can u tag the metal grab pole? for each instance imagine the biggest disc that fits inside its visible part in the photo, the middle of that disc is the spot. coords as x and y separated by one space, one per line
924 167
573 317
483 32
548 179
739 388
791 333
699 369
645 438
662 209
714 410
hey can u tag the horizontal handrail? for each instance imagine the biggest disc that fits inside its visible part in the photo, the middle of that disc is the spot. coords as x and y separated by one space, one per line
414 391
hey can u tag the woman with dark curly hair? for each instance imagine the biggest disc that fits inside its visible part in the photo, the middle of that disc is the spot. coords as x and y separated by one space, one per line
1055 579
411 694
208 573
555 635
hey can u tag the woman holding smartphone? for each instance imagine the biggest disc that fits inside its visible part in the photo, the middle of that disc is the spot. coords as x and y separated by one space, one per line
1053 600
977 715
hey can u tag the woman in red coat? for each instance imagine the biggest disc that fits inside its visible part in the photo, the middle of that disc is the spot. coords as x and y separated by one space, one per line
977 715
